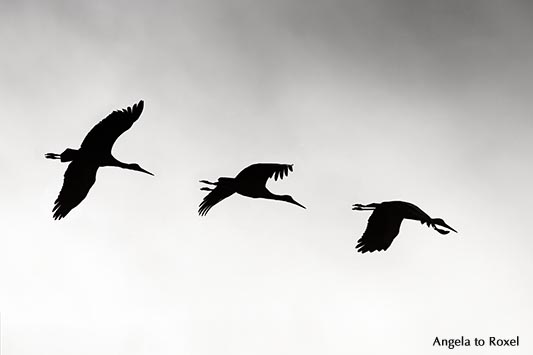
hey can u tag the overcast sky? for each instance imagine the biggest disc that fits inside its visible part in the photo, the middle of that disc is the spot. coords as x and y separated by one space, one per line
424 101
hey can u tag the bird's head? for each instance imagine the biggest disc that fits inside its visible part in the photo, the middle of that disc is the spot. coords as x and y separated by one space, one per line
137 167
440 222
289 199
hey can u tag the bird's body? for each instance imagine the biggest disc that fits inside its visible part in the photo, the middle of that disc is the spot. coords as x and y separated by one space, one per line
384 223
250 182
94 152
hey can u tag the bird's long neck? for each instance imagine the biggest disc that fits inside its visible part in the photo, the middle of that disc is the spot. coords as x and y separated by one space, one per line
272 196
413 212
112 161
285 198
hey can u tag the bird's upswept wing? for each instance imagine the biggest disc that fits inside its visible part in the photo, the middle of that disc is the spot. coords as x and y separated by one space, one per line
261 172
380 231
215 196
78 180
102 136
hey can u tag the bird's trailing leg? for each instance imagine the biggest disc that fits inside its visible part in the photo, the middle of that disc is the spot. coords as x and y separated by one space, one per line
361 207
67 155
223 182
208 182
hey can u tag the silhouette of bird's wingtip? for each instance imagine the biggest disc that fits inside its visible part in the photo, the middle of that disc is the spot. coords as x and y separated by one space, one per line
361 249
139 106
202 211
58 214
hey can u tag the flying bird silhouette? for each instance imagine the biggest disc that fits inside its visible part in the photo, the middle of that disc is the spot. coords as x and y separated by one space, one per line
95 152
384 223
250 182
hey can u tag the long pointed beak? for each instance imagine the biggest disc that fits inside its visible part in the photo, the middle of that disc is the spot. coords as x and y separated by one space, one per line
443 224
447 226
145 171
297 204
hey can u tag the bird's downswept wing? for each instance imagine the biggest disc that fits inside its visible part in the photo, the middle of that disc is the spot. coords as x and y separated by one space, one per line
380 231
78 180
102 136
218 194
261 172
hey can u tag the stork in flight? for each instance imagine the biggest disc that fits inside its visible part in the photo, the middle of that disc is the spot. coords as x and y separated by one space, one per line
384 223
95 152
250 182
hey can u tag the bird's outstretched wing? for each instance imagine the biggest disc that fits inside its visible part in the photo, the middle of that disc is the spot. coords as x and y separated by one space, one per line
380 231
102 136
261 172
215 196
78 180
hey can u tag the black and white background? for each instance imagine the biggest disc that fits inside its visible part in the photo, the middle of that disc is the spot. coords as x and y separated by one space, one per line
425 101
